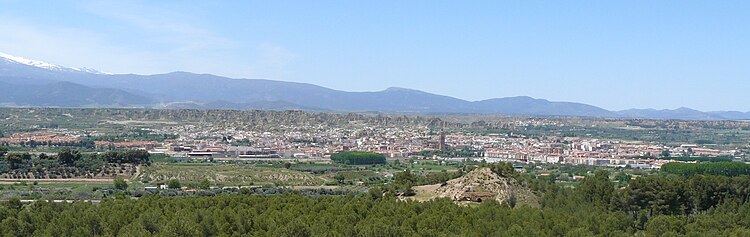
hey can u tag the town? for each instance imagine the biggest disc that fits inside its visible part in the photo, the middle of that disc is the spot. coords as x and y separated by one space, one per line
227 140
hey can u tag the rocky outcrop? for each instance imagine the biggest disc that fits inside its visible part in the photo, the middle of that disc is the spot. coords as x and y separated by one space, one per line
482 184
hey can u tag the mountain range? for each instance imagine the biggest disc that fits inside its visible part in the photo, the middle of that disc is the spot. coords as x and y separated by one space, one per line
31 83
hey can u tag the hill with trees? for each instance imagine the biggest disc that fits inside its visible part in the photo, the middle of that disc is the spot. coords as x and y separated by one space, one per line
649 206
707 168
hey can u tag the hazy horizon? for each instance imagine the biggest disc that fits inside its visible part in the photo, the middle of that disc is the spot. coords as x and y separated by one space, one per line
614 55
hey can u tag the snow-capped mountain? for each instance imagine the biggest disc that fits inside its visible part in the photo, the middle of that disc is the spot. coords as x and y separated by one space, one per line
46 65
25 82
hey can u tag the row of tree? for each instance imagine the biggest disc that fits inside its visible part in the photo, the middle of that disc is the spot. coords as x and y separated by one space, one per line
86 144
68 162
358 158
715 168
127 156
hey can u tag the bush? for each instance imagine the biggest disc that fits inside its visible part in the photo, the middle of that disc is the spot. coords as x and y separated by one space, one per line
120 184
204 184
174 184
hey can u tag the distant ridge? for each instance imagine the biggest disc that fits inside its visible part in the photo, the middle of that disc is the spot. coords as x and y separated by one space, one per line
261 105
26 82
67 94
683 113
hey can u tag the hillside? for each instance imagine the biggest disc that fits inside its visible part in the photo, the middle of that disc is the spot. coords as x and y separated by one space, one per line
480 185
67 94
39 84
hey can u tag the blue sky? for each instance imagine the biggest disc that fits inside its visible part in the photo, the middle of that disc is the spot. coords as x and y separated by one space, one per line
612 54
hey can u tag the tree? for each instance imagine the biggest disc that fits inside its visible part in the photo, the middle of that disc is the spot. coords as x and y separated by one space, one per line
174 184
13 203
623 178
405 179
287 165
368 214
714 168
597 189
17 160
3 151
204 184
120 184
68 156
340 178
503 169
128 156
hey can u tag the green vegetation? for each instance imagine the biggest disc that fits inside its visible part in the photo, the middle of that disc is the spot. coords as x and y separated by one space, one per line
365 176
317 168
665 156
136 134
404 181
717 168
120 184
174 184
161 158
204 184
69 163
703 158
127 156
262 173
358 158
650 206
437 177
503 169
